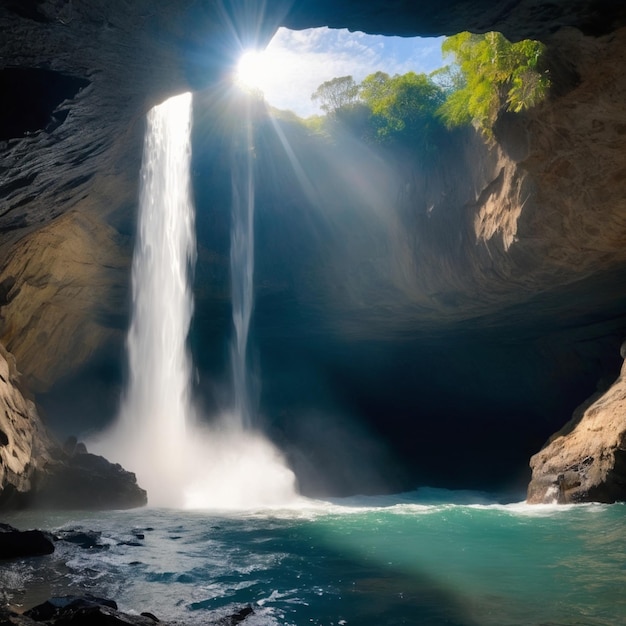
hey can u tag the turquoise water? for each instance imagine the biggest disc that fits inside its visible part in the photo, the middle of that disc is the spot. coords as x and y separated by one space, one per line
409 559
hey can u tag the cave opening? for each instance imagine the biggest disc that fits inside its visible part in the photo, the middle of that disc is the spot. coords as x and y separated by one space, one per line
295 63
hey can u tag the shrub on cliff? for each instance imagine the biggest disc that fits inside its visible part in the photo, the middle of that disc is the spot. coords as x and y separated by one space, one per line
490 74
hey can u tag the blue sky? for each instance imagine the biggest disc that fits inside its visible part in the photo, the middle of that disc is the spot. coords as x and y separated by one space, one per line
295 63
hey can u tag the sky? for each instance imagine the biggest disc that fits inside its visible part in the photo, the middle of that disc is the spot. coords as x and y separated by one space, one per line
295 63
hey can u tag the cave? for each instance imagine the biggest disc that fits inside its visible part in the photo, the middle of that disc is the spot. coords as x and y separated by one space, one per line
434 357
459 360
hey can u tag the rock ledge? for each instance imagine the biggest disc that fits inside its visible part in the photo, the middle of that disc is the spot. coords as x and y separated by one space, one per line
586 460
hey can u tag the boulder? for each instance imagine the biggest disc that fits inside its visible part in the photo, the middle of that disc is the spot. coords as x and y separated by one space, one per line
16 543
87 481
55 607
586 460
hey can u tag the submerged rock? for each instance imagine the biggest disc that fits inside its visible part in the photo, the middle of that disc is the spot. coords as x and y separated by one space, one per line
586 460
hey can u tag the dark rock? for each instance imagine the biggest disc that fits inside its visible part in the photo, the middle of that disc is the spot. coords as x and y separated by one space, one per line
237 617
88 481
55 607
85 610
84 538
80 448
15 543
69 446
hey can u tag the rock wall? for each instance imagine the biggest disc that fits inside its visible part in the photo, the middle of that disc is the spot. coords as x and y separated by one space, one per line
64 295
23 442
36 471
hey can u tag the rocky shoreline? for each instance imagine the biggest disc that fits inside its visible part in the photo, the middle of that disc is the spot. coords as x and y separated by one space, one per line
90 610
76 610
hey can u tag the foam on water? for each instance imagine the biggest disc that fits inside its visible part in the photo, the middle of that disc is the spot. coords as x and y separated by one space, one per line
319 563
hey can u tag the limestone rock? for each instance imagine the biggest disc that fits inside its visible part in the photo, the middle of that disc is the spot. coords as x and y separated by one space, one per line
64 294
24 445
586 460
36 470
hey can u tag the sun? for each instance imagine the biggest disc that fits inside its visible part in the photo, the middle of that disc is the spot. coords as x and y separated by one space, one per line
253 70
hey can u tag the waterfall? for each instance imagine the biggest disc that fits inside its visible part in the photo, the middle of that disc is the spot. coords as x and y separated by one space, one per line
151 431
180 461
242 272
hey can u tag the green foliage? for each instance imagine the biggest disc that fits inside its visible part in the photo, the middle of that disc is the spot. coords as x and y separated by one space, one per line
336 93
384 109
404 107
495 74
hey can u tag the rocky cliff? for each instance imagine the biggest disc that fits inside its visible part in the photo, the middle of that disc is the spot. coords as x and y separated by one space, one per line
36 471
586 460
513 253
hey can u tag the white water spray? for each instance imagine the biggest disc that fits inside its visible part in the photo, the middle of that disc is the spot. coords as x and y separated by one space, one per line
156 435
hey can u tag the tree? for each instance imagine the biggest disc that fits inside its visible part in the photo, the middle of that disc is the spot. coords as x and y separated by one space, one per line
336 93
404 107
496 75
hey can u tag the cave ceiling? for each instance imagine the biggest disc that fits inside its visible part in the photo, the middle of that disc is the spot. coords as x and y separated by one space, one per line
78 76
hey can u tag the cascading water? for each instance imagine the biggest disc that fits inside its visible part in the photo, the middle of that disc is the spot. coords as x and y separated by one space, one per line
150 433
242 273
180 462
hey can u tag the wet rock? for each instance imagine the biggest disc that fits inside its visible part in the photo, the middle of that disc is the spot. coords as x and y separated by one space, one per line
90 610
86 539
15 543
239 616
57 607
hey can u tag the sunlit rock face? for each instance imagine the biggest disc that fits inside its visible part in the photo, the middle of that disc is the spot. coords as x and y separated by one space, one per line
586 459
36 471
457 317
23 445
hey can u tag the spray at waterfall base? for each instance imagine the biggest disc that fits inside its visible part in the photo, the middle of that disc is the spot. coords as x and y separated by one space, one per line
157 434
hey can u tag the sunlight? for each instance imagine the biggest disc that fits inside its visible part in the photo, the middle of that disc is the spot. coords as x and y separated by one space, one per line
259 69
295 63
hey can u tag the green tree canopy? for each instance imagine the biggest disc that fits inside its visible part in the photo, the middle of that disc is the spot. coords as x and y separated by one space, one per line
403 105
336 93
495 74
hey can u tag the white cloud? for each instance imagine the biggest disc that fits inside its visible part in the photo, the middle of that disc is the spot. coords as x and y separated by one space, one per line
300 61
